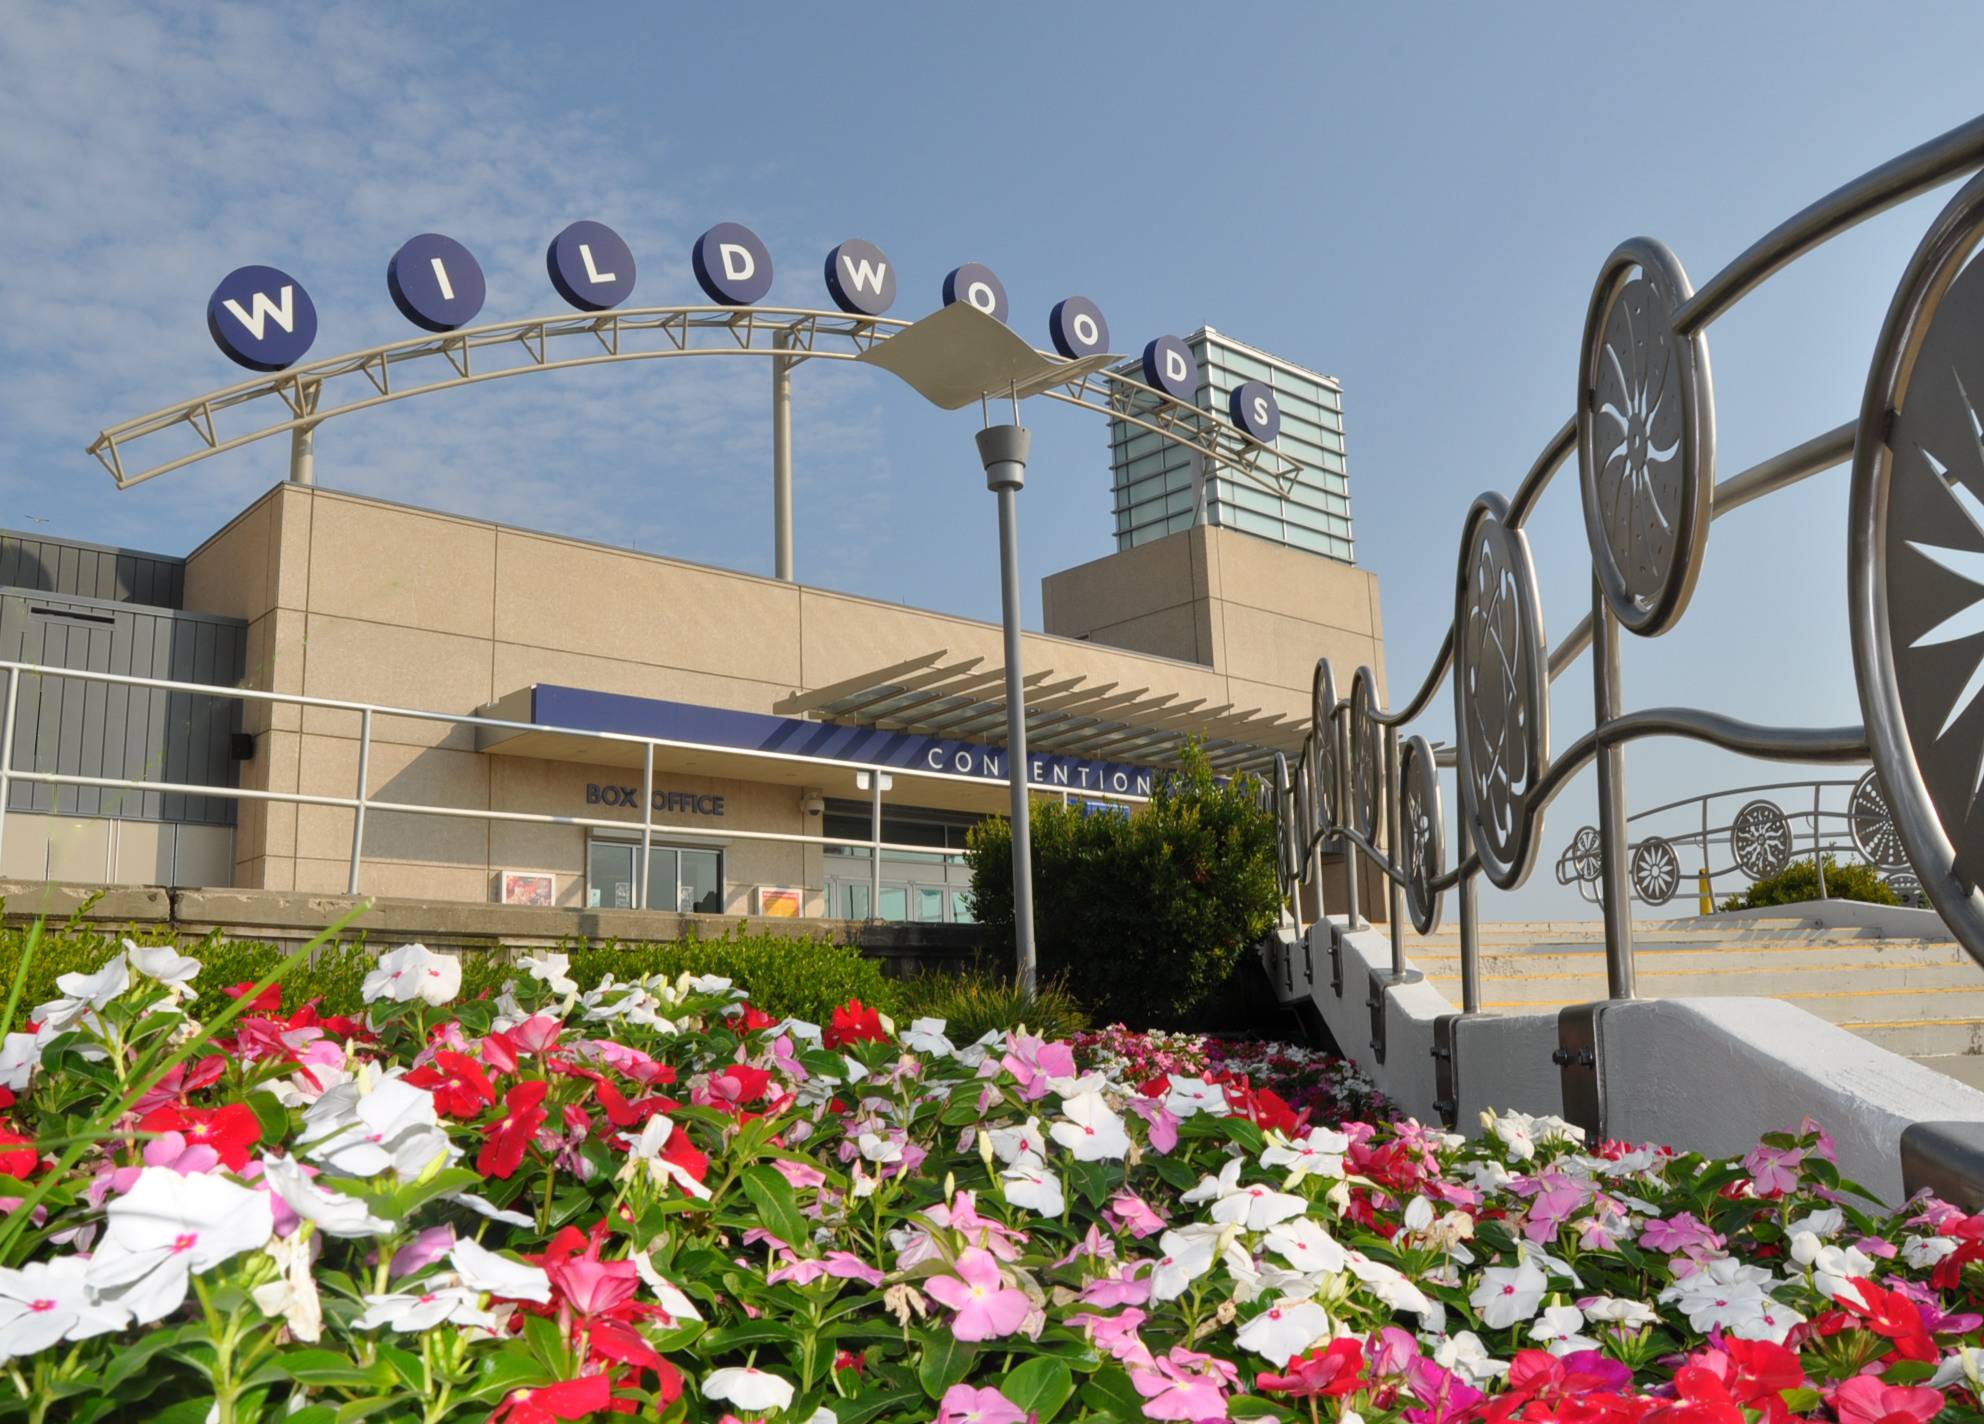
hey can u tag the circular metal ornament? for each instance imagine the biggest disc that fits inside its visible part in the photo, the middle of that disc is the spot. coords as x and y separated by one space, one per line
1585 854
1646 437
1906 887
1871 825
1760 839
1328 752
1284 821
1423 827
1656 871
1915 564
1501 692
1367 757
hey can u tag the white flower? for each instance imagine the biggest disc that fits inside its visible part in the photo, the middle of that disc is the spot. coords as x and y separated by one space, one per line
1418 1215
1189 1252
292 1294
362 1132
410 1314
20 1055
1195 1095
1284 1330
1613 1310
99 989
1967 1363
1508 1294
413 971
646 1152
710 983
1467 1357
1009 1144
1320 1153
1028 1183
1253 1278
1558 1328
927 1036
482 1206
1254 1207
1727 1295
751 1390
548 969
678 1305
165 964
878 1149
1092 1132
483 1270
1825 1223
47 1301
1389 1284
1921 1252
167 1227
1304 1244
1833 1267
334 1213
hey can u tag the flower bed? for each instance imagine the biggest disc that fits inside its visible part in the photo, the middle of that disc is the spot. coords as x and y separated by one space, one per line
650 1198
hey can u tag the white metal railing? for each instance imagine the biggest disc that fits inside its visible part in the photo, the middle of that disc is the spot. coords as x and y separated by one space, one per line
361 800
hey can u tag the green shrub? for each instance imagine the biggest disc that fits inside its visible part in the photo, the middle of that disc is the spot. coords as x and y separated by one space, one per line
974 1003
1146 917
1798 881
801 978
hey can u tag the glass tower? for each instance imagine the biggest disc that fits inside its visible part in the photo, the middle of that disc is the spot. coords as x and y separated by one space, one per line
1160 488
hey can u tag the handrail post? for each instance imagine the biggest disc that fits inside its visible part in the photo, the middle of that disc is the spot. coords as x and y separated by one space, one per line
1470 933
7 711
642 890
1353 918
1818 842
1614 888
875 843
358 812
1394 835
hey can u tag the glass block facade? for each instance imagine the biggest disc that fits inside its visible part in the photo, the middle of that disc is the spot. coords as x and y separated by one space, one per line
1159 489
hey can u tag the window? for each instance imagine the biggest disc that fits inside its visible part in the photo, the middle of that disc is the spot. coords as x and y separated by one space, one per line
688 879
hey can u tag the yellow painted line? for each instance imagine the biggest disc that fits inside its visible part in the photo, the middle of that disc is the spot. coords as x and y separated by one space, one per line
1914 1023
1706 973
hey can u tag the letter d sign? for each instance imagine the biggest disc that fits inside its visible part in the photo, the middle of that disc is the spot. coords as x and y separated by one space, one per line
1169 367
733 266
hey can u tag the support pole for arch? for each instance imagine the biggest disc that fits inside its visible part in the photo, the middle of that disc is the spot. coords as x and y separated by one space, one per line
303 455
781 461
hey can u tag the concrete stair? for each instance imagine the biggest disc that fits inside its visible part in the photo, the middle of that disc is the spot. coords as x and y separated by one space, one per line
1910 989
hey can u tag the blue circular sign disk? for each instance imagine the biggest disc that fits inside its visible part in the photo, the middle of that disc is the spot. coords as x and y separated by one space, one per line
1169 367
979 285
733 265
591 266
436 282
1255 410
261 318
1077 328
860 279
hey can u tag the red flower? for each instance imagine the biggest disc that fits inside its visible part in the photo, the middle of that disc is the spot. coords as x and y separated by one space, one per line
460 1087
1866 1399
755 1018
269 1001
854 1022
546 1403
1328 1373
681 1152
503 1150
229 1130
594 1287
18 1159
1894 1315
1763 1369
1700 1398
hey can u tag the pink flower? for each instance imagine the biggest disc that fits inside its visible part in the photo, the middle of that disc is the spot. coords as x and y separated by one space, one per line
1865 1400
1162 1121
799 1174
1120 1287
1095 1244
424 1250
1116 1334
1129 1212
1446 1395
593 1287
1683 1233
842 1265
1184 1384
987 1308
1032 1061
1774 1170
962 1404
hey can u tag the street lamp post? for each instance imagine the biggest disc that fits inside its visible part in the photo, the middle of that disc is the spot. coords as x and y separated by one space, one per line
1003 450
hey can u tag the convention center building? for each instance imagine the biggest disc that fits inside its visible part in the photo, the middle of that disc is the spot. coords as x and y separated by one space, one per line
746 753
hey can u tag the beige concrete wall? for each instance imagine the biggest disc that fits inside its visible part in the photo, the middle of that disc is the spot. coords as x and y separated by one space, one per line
364 600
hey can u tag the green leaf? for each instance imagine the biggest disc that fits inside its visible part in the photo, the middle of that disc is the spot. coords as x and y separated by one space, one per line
1110 1392
546 1343
1902 1372
1252 1406
1040 1386
333 1367
406 1365
1801 1401
864 1407
272 1115
512 1367
772 1195
946 1360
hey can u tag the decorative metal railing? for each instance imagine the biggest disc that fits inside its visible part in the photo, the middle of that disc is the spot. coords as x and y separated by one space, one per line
1644 431
1760 839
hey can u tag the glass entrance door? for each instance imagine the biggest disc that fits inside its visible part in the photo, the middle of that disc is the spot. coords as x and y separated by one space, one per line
681 878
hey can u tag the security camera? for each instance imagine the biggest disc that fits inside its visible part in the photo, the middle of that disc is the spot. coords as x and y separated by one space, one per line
812 802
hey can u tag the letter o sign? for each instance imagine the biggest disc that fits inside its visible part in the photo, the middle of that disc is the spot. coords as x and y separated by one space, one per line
979 285
733 265
1077 328
1255 410
860 279
591 266
1169 367
261 318
436 282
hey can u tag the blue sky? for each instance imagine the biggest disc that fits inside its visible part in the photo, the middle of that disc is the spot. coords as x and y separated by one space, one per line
1414 199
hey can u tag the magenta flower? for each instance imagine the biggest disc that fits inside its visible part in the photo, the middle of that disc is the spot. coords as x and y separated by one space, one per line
1129 1212
962 1404
1774 1170
1184 1384
987 1308
1446 1396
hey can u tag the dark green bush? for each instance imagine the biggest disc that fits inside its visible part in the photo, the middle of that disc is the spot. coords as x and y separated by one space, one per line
803 978
1798 881
1146 917
974 1002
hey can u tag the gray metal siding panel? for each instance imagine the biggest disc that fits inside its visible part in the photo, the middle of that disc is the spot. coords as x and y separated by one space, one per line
94 729
79 570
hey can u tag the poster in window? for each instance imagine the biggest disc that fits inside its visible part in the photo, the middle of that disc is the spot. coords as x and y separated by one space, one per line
780 903
529 887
